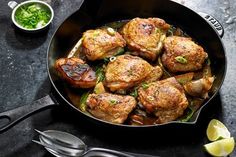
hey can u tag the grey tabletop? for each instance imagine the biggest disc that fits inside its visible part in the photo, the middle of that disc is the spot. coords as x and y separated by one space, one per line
23 79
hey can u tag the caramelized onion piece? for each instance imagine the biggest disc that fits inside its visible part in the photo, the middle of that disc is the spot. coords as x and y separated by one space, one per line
199 88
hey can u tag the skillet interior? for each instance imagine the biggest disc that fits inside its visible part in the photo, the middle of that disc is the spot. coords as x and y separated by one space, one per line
95 13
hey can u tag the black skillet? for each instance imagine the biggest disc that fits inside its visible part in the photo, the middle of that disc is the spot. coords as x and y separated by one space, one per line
204 29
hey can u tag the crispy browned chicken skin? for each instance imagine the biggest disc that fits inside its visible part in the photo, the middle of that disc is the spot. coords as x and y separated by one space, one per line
101 43
76 72
125 72
110 107
154 75
182 54
145 36
165 99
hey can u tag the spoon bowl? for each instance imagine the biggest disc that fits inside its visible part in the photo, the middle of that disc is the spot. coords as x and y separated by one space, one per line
63 137
62 144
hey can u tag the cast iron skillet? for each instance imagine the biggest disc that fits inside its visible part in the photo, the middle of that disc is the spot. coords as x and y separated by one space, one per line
205 30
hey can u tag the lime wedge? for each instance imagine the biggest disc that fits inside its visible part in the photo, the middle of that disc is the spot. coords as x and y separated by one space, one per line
217 130
221 147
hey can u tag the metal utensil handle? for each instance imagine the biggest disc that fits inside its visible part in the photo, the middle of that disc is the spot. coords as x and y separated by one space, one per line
140 155
119 153
16 115
12 4
214 23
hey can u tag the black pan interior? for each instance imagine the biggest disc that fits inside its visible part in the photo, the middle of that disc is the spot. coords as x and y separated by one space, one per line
95 13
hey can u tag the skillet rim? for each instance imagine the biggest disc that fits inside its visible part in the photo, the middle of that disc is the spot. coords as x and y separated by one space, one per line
198 112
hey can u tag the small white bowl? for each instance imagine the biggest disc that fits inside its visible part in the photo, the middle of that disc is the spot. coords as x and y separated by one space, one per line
15 6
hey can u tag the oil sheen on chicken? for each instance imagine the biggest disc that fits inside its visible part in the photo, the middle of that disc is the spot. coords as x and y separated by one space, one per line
165 99
101 43
145 36
110 107
127 71
182 54
76 72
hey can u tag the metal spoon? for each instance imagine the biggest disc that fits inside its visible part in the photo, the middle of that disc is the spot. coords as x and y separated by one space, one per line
62 144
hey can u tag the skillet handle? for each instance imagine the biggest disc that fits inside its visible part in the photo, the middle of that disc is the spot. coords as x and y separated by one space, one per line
12 117
214 23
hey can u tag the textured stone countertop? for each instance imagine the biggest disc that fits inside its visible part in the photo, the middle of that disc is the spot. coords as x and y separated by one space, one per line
23 79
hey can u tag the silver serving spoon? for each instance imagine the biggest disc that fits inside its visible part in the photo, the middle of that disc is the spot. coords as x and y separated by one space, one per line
62 144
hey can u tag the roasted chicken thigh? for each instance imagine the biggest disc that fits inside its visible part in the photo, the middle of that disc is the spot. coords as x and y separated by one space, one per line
154 75
76 72
125 72
100 43
145 36
165 99
110 107
182 54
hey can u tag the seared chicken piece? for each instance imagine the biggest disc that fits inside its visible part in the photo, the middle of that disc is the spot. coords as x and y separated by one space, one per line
154 75
199 88
101 43
182 54
125 72
76 72
110 107
145 36
165 99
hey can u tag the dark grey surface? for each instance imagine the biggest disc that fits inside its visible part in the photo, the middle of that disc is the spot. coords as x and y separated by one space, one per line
23 79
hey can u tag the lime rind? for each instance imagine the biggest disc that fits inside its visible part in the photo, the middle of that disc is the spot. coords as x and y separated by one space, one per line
216 130
221 147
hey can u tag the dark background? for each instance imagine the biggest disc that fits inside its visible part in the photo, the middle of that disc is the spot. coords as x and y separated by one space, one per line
23 79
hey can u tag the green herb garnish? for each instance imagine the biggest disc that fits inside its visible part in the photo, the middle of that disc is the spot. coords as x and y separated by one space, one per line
83 100
100 74
166 74
157 30
145 85
208 61
150 98
120 51
181 59
188 115
32 16
106 60
170 31
113 101
134 93
111 31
